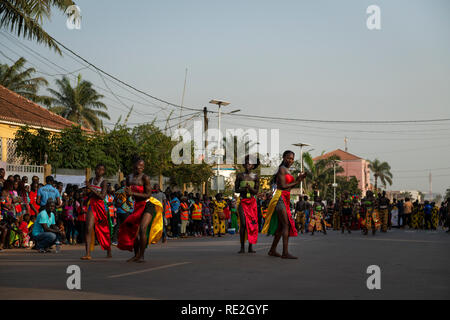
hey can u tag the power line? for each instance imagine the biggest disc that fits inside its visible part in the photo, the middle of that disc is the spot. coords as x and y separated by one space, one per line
422 121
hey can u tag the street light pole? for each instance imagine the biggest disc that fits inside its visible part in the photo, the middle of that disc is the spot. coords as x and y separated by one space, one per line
220 144
334 180
301 145
219 103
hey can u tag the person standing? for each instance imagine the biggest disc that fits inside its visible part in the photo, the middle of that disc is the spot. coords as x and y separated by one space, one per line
427 210
97 218
175 205
196 215
145 224
218 206
407 212
279 220
300 211
184 215
48 192
383 209
124 205
317 219
346 212
371 219
206 215
247 185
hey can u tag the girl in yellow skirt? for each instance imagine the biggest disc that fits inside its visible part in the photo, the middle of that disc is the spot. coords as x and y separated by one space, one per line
317 222
218 215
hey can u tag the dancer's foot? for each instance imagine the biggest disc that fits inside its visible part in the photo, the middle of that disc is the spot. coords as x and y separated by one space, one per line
108 255
139 260
250 249
288 256
242 250
274 254
133 259
86 258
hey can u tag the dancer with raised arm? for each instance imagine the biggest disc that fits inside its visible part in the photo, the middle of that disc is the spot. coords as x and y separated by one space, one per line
279 221
247 185
97 218
145 224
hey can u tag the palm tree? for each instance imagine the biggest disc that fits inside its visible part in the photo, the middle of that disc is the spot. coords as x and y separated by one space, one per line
80 104
25 18
22 81
319 173
382 171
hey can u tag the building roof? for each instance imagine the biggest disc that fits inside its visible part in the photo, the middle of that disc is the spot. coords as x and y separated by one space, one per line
343 155
19 110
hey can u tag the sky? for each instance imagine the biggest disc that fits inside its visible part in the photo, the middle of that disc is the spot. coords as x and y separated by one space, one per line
291 59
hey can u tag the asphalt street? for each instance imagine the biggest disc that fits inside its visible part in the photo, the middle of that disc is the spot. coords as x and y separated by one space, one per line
413 264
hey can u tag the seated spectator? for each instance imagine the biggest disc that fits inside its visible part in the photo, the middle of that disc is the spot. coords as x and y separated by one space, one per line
45 231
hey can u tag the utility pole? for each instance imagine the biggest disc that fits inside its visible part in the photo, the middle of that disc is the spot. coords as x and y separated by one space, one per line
205 128
345 141
431 186
182 97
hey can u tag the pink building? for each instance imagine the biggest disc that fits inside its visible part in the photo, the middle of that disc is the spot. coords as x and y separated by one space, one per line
353 166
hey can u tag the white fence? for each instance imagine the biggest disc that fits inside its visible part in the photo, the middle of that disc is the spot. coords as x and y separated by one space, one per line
24 170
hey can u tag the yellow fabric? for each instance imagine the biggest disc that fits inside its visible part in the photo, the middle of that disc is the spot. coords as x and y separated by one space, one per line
156 229
218 224
271 210
219 206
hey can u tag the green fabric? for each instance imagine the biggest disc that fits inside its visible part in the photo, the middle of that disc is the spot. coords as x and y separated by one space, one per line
273 226
234 221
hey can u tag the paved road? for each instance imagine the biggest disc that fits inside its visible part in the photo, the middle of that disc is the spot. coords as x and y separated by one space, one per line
414 265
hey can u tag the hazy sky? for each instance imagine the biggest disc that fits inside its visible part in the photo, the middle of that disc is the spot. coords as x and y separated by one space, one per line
295 59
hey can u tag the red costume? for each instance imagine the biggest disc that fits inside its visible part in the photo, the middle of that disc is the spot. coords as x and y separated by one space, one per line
129 228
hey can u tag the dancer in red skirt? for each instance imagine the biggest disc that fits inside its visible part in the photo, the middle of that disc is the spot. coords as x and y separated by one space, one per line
247 185
133 231
97 218
279 221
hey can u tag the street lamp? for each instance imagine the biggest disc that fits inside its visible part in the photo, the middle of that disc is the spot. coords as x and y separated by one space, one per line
301 145
334 180
219 103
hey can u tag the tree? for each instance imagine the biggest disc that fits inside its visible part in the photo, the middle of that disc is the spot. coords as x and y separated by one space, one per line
447 194
80 104
33 146
344 184
320 173
21 81
25 18
382 171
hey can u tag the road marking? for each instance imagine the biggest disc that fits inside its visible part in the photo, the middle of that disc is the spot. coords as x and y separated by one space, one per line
148 270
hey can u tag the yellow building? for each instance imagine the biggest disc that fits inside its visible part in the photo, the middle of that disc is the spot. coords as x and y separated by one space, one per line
17 111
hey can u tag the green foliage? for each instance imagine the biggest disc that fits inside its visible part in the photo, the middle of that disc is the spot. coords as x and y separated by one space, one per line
19 79
319 174
25 18
73 148
382 171
349 185
80 104
32 147
447 194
